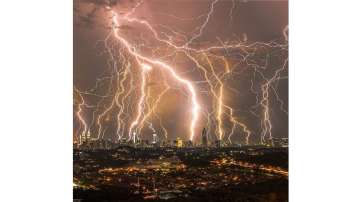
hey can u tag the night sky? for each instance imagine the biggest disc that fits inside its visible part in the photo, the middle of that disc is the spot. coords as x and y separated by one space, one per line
99 64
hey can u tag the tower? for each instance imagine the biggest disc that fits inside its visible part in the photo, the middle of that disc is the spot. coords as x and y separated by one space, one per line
134 137
88 135
155 138
204 139
83 137
179 143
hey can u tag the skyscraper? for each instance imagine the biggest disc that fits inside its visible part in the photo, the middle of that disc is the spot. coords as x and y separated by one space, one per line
134 137
155 138
179 143
204 139
85 136
88 135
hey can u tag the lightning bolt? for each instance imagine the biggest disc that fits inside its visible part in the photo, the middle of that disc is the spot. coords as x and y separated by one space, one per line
79 116
186 83
145 69
131 69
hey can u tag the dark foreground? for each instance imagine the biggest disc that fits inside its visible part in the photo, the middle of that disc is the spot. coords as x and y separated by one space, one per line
188 174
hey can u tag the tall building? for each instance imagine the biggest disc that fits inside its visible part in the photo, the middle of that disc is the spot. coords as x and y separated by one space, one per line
84 137
155 138
204 139
134 137
123 140
217 143
88 136
179 142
